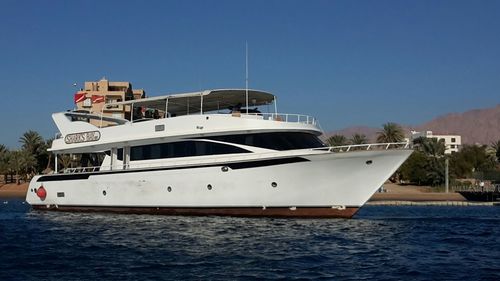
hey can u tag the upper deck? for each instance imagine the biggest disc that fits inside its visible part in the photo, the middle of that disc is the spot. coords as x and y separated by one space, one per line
185 115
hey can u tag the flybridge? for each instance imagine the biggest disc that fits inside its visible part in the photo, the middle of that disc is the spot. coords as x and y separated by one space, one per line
200 102
185 115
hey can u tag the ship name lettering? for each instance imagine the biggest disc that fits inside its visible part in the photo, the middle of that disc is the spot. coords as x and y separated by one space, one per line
82 137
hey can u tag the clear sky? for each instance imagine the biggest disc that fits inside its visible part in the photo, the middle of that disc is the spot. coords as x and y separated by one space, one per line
345 62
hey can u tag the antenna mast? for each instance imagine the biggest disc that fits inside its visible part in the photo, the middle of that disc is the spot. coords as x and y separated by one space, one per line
246 73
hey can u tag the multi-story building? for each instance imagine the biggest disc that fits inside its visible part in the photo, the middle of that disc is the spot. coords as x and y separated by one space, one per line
451 142
95 95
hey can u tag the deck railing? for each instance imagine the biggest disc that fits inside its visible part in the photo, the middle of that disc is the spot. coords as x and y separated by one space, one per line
285 117
370 146
227 158
477 188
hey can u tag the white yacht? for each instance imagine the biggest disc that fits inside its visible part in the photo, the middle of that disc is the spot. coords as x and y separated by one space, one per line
201 153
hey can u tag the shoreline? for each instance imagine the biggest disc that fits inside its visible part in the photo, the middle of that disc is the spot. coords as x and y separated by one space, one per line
13 191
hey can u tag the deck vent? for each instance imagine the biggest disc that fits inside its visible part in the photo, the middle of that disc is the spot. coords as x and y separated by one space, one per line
159 128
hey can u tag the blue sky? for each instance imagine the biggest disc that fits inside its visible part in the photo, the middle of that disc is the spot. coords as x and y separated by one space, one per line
345 62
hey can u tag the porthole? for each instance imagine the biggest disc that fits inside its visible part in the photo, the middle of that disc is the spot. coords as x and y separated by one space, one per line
209 187
104 192
207 117
274 184
369 162
169 189
224 169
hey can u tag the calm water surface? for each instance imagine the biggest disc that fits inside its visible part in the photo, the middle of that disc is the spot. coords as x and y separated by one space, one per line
381 243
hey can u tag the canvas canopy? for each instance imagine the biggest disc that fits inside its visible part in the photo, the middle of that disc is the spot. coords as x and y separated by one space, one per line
208 100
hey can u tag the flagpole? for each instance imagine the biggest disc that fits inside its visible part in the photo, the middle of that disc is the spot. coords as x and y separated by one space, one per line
246 73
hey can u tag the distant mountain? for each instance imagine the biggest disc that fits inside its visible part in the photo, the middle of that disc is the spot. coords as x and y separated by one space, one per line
475 126
480 126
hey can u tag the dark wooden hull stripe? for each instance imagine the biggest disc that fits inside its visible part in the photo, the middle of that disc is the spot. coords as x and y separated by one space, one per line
299 212
233 166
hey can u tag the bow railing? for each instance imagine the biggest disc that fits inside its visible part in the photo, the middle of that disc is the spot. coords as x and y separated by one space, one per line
285 117
369 146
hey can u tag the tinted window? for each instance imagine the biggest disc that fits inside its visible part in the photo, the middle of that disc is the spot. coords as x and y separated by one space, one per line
179 149
275 141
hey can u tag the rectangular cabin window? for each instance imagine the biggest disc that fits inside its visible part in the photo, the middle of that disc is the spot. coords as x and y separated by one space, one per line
179 149
275 141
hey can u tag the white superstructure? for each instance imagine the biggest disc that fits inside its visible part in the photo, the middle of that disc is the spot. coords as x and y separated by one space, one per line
202 154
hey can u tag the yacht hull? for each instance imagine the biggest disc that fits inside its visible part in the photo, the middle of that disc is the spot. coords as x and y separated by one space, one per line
322 184
305 212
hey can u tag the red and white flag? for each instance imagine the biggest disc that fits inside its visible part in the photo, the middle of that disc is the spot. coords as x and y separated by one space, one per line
97 99
79 96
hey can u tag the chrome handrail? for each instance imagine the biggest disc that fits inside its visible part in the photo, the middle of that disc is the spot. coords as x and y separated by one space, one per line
286 117
368 146
227 158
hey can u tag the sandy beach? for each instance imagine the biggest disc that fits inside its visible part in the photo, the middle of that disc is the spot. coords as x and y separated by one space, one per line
14 190
397 192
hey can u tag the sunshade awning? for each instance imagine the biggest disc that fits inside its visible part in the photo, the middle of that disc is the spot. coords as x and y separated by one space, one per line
188 103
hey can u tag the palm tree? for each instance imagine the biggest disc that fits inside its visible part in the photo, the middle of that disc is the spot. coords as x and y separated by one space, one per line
3 149
391 132
430 146
358 139
65 161
337 140
48 144
22 163
4 161
34 144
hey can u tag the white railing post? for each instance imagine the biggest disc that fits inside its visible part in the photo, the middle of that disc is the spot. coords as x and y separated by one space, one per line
55 163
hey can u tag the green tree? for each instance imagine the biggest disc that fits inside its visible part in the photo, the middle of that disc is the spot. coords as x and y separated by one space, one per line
3 149
430 146
34 144
358 139
23 163
65 161
471 159
337 140
426 165
391 132
4 161
496 146
48 144
414 169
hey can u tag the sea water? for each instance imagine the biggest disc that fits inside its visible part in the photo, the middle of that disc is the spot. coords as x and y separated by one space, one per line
379 243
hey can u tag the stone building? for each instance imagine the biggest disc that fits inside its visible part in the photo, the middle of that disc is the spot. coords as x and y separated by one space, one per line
452 143
93 97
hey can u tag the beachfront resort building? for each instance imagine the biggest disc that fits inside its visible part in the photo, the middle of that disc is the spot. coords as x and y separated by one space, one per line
95 95
451 142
